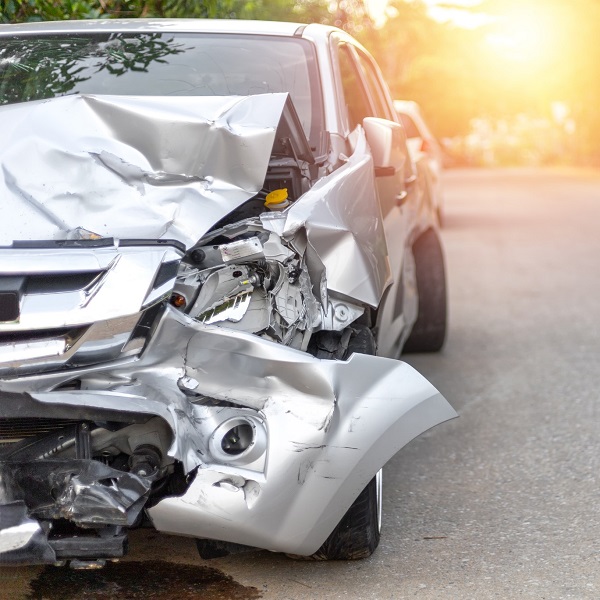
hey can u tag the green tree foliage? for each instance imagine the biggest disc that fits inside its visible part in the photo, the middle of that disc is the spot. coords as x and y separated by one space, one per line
15 11
351 16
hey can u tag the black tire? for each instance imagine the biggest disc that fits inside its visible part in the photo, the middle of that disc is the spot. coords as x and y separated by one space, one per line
429 331
357 534
336 345
362 341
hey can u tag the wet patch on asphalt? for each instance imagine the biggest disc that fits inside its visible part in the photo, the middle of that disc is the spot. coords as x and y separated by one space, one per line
148 580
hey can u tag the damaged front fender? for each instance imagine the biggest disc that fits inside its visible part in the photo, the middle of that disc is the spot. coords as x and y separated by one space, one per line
330 426
317 430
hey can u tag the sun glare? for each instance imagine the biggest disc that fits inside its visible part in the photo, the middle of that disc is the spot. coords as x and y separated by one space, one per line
525 35
458 16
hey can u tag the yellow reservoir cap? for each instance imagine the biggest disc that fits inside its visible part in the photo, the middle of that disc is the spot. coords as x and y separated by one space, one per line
276 198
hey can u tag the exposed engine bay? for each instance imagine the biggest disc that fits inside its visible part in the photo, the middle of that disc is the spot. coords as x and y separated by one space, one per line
257 284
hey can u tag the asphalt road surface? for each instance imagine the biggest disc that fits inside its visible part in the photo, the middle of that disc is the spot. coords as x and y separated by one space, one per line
500 503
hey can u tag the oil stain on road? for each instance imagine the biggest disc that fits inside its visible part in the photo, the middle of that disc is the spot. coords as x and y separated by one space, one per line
148 580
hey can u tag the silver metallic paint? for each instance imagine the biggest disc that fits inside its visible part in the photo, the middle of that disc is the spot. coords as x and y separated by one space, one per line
131 167
344 228
330 425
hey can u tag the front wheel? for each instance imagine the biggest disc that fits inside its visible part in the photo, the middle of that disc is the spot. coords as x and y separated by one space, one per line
357 534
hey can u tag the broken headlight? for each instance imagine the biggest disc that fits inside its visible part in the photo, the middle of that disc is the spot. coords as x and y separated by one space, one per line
255 283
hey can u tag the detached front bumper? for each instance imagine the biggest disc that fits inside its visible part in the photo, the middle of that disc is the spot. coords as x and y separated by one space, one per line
316 433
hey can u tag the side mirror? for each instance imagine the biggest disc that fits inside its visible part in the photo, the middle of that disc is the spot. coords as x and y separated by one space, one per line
388 146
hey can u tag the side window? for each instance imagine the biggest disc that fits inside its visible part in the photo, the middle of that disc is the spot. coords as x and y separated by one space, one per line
355 97
382 104
375 88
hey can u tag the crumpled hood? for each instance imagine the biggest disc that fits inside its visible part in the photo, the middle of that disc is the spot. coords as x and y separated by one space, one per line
131 167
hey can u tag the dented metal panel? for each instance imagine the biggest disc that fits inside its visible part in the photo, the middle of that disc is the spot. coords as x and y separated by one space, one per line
344 229
328 427
85 492
131 167
22 540
322 455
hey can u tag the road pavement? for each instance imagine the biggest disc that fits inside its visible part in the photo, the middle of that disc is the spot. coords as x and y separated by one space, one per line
500 503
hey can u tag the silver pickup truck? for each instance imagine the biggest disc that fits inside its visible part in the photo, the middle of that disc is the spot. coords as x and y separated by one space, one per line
213 249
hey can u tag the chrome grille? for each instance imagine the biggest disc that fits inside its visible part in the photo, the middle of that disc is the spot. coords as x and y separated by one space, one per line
55 283
80 304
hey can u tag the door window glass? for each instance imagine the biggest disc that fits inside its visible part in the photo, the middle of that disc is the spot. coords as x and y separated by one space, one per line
355 97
